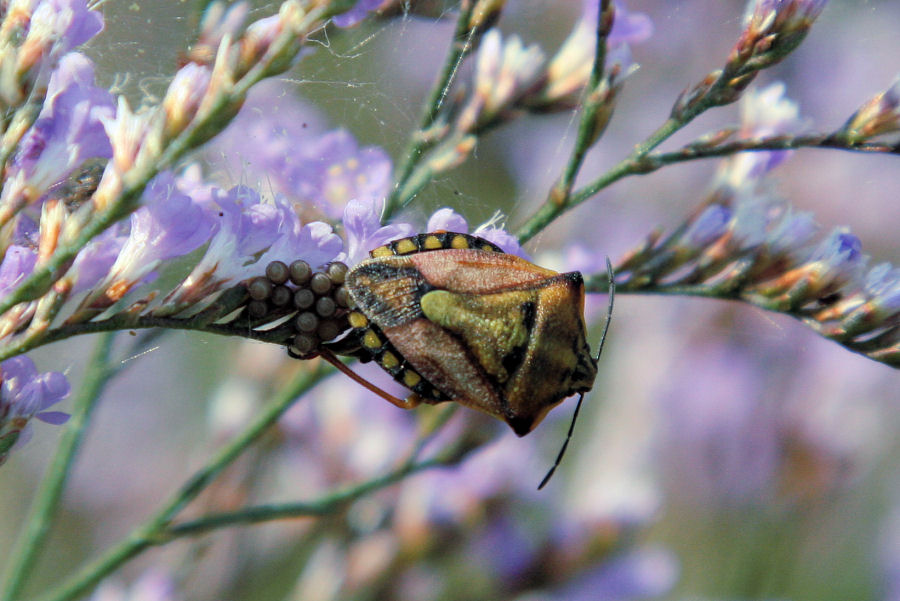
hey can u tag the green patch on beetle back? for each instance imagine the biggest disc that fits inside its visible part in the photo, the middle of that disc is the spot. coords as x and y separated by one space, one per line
495 327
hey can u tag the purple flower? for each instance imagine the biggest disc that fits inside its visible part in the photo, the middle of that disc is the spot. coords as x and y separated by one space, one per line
18 263
838 257
332 170
95 260
316 243
764 113
883 285
356 14
791 231
68 131
56 27
278 140
248 233
26 394
449 220
170 224
363 229
628 27
707 227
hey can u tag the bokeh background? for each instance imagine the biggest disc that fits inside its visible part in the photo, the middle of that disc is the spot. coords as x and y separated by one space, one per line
724 453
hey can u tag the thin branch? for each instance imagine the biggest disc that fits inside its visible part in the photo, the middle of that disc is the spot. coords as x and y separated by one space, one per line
463 38
39 520
640 164
587 134
327 505
871 347
145 535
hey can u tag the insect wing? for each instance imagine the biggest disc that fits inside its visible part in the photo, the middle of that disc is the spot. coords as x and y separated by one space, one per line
491 331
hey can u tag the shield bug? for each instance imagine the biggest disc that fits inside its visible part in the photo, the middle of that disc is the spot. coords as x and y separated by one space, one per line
454 318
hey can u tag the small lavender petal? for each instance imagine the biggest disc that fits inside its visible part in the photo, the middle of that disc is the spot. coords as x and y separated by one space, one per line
279 141
316 243
448 220
339 170
69 129
170 224
363 229
26 394
628 27
503 239
709 226
60 25
839 248
17 265
883 284
791 232
96 259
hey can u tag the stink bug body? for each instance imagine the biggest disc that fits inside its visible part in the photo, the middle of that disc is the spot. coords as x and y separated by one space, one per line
454 318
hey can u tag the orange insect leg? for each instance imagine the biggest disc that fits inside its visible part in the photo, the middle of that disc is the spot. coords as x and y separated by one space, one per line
409 403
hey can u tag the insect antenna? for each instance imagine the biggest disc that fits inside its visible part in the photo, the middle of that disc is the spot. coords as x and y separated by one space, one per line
609 309
611 287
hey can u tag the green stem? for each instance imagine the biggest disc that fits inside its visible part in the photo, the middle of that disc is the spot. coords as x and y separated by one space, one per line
550 211
39 520
459 49
274 335
321 507
150 532
587 134
643 161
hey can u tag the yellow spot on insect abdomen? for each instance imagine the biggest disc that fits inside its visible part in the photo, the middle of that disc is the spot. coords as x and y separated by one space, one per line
357 320
411 378
389 360
371 340
459 242
432 243
381 251
405 246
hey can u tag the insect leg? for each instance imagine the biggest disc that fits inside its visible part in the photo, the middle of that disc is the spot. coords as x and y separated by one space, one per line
409 403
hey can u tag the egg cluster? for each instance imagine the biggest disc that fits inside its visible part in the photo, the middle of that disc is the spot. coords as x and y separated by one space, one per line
316 301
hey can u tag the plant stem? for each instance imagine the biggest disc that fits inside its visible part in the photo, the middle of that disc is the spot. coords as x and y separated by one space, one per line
642 161
459 49
320 507
39 520
149 533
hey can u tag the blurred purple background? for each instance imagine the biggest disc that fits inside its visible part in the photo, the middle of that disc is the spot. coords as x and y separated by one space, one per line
724 453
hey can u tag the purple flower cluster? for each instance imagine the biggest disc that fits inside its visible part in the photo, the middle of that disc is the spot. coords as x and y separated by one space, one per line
25 394
318 180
